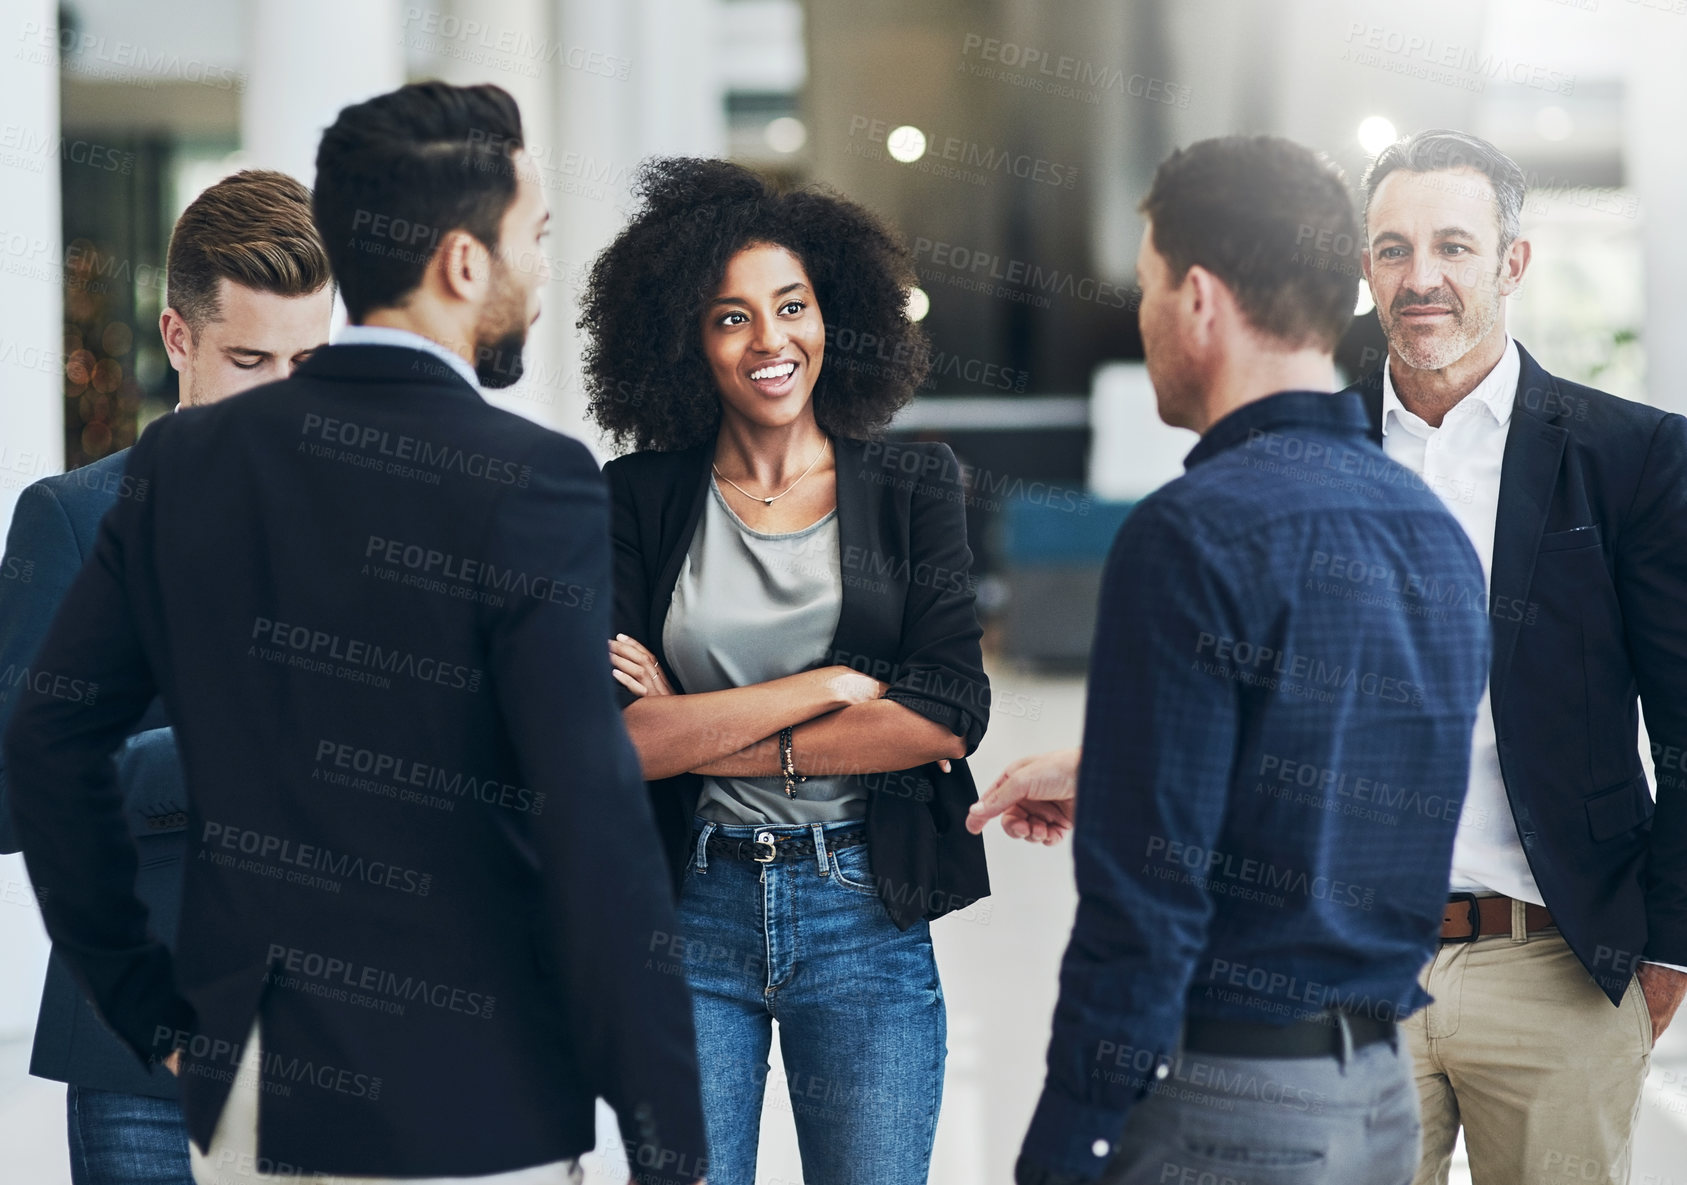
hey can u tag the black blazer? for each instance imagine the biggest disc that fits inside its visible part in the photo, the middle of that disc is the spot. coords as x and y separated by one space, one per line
419 849
908 619
1588 597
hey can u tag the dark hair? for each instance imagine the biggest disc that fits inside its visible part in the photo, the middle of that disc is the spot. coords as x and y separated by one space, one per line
1439 149
396 173
1270 218
645 371
252 228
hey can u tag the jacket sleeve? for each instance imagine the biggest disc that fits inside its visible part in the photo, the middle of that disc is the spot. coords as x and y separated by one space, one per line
89 685
1652 588
40 563
941 673
1160 737
606 904
632 588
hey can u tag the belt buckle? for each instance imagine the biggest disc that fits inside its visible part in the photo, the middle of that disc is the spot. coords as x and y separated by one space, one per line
1475 914
764 839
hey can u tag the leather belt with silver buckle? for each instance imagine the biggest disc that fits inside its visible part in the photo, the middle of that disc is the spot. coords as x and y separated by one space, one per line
767 847
1469 917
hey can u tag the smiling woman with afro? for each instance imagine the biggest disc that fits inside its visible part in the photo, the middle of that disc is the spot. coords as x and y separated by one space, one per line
648 380
796 648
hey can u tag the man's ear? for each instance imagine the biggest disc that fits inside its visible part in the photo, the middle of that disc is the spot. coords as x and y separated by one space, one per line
1365 272
1200 295
1514 264
464 265
178 338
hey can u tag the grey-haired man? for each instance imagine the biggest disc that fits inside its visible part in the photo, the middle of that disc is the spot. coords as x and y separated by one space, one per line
1565 935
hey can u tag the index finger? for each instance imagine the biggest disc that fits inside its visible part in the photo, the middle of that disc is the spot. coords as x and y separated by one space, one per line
1004 793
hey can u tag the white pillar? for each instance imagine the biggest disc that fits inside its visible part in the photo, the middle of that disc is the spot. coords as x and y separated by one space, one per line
1657 170
677 78
669 102
306 59
31 386
31 258
512 44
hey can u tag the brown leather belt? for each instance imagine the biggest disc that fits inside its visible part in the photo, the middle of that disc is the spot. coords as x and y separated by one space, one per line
1469 917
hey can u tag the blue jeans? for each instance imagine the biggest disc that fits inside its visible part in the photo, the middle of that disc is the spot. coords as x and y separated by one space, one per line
1219 1120
860 1011
125 1139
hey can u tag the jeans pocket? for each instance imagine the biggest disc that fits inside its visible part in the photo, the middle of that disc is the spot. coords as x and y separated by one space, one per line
693 883
853 870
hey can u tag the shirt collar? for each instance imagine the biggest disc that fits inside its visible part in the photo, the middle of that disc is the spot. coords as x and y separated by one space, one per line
1342 413
1497 391
383 335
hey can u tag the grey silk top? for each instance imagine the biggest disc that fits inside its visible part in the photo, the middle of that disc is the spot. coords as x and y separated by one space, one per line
749 607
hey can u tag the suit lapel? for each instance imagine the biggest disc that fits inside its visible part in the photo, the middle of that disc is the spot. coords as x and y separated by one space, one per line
855 537
1534 448
692 479
1370 390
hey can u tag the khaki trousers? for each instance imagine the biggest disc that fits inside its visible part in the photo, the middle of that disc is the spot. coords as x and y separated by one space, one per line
1524 1051
232 1158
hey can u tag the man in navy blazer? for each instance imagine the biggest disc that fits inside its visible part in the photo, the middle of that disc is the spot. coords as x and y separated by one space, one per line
249 297
423 885
1564 945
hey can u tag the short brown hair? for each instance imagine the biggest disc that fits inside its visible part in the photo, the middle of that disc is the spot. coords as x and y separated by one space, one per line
253 228
1273 220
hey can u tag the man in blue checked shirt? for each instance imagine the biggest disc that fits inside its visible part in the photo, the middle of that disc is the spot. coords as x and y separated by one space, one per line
1291 647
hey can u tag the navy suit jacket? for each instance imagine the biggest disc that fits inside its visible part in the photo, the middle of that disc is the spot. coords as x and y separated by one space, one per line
1588 598
52 532
420 853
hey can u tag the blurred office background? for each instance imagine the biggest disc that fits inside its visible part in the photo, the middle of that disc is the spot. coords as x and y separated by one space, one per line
1010 141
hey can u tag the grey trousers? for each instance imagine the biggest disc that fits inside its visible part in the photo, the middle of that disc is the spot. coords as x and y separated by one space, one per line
1276 1121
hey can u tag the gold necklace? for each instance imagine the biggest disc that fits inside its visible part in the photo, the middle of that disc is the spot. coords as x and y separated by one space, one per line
781 493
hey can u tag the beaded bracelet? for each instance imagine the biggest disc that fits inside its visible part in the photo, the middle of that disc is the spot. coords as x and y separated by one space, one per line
787 765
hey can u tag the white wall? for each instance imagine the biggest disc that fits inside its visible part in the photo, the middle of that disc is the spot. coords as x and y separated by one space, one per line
31 256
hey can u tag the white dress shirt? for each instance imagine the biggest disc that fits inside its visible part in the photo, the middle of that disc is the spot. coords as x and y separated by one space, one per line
381 335
1461 462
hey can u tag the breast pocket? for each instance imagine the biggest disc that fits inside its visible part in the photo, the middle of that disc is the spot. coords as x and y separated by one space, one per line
1588 536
